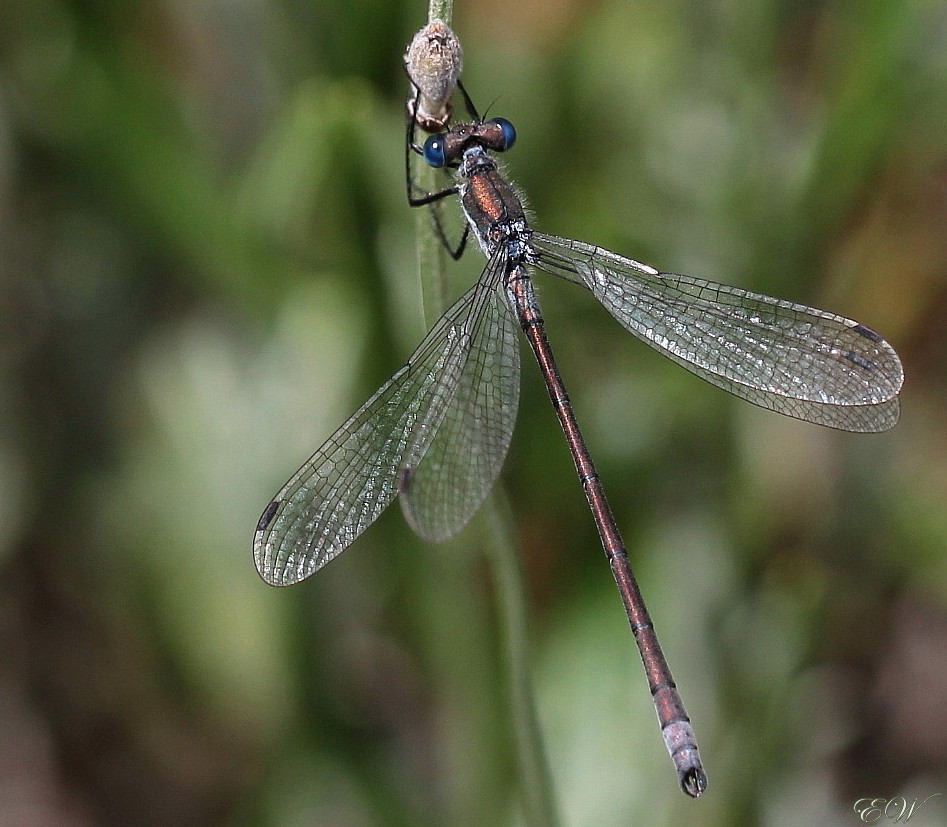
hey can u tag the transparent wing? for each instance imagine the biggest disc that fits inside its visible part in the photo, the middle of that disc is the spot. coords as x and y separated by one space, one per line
356 474
786 357
465 457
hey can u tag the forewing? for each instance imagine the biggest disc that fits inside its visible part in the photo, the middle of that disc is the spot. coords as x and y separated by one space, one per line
356 474
783 356
465 457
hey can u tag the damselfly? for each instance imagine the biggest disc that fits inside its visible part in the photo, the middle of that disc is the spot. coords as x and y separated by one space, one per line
436 434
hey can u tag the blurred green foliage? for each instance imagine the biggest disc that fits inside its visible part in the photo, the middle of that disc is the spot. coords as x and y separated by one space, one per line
206 262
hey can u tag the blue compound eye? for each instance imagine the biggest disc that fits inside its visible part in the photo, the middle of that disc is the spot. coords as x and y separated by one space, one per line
509 133
434 151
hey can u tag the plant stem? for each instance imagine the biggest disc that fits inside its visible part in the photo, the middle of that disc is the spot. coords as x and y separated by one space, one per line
539 807
440 10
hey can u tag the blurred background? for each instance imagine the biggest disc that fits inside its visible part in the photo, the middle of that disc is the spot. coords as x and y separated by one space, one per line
207 263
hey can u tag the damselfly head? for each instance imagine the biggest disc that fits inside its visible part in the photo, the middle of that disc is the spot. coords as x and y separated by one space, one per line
445 148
